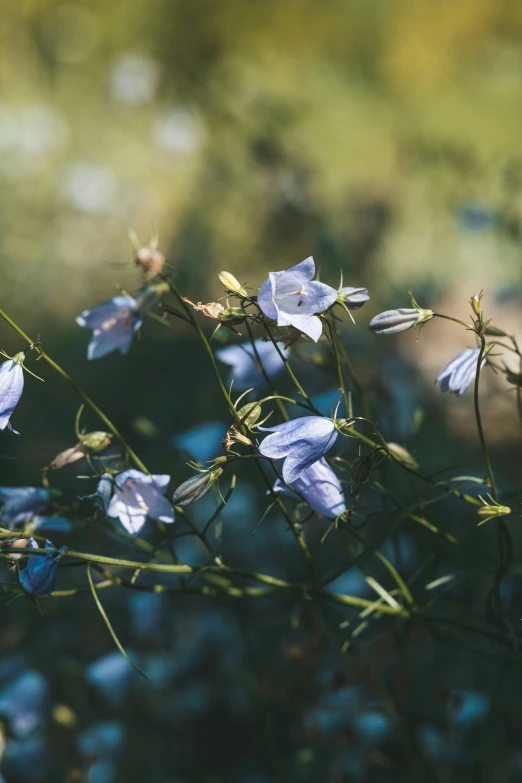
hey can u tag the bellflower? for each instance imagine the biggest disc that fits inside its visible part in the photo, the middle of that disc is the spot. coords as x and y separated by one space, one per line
458 374
245 372
320 487
301 442
292 299
40 575
138 496
23 701
114 325
354 298
11 388
392 321
21 503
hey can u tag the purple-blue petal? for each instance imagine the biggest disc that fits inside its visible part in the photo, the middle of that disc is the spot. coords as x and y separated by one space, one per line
11 388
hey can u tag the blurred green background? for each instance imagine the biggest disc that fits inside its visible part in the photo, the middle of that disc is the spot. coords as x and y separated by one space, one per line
381 137
253 134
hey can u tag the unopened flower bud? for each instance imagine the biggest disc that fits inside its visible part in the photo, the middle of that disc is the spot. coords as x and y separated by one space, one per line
233 315
249 414
475 303
492 510
151 261
402 454
361 469
96 441
194 488
494 331
231 283
513 377
91 443
392 321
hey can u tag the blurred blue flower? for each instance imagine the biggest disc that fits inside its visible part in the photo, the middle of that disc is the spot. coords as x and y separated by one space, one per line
372 728
354 298
114 325
112 676
26 759
24 504
138 496
11 388
291 299
146 613
301 441
467 708
320 487
203 441
458 374
246 372
40 575
102 740
475 218
23 702
21 503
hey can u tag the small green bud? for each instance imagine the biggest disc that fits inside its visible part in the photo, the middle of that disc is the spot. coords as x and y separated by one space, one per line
232 315
494 331
96 441
491 510
231 283
475 303
249 414
402 454
361 469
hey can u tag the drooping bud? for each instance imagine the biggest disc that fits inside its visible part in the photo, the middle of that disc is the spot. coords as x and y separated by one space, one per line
513 377
491 510
231 283
402 454
91 443
151 262
195 487
361 469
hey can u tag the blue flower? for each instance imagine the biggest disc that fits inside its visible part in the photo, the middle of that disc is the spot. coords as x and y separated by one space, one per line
114 325
23 702
11 388
40 575
301 441
112 676
21 503
475 218
201 441
458 374
246 372
467 708
320 487
102 740
354 298
291 299
138 496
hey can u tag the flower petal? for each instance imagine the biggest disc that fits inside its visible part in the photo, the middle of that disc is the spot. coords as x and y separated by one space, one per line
11 388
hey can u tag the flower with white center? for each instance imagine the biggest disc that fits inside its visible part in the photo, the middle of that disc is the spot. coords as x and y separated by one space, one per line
137 496
292 299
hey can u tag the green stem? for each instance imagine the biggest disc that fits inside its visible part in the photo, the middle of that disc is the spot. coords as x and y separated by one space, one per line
87 400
